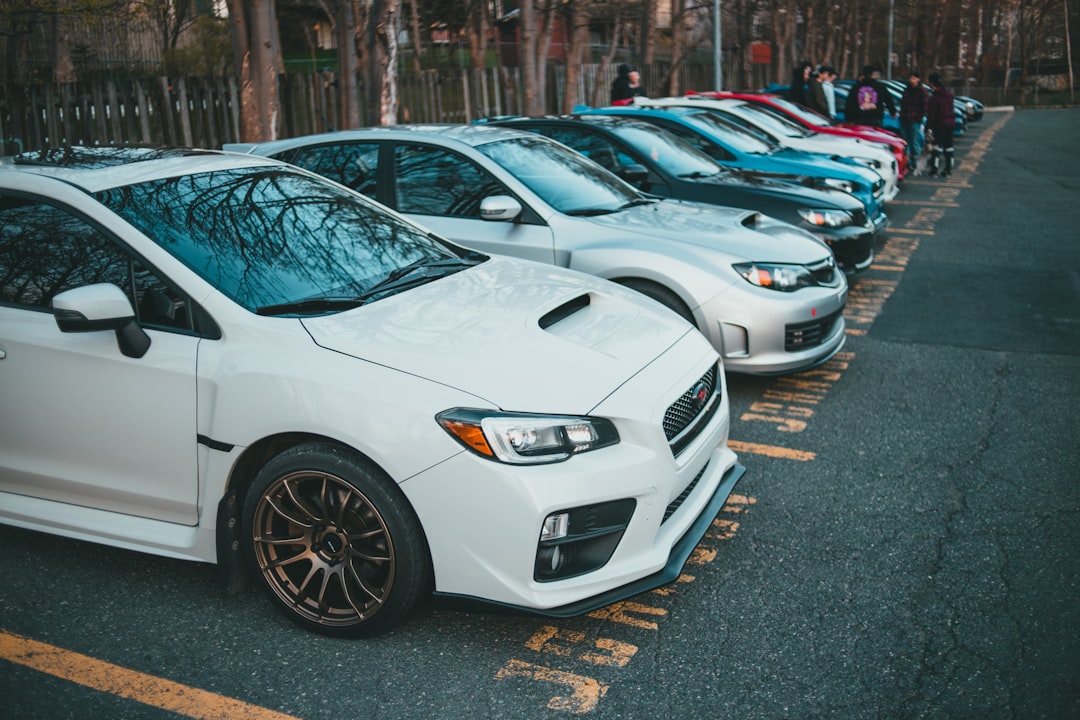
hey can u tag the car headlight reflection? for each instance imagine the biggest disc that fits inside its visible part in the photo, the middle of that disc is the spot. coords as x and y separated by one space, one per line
845 185
826 218
526 439
776 276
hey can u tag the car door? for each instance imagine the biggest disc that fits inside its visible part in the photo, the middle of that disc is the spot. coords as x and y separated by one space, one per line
442 189
80 422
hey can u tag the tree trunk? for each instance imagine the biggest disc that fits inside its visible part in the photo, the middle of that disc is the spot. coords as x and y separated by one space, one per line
256 52
534 104
63 68
382 83
575 54
348 87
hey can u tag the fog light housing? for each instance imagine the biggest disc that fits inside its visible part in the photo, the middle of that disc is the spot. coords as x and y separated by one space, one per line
580 540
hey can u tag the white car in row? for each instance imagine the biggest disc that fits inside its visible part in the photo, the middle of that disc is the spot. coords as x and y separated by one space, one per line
230 360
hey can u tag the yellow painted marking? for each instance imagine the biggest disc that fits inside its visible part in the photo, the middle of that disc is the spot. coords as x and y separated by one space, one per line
771 451
888 268
585 692
623 612
932 203
701 556
910 231
739 503
722 529
782 424
616 654
671 589
130 684
855 333
545 640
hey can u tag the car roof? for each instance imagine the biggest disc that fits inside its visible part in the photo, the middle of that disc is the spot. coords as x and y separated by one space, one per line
471 135
99 168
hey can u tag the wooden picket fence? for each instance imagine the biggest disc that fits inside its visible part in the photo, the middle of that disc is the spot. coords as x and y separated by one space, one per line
204 112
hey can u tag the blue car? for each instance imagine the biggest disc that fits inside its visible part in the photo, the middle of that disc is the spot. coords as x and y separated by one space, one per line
736 148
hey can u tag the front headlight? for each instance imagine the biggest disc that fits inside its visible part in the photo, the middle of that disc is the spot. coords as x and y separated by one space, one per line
776 276
826 218
526 439
845 185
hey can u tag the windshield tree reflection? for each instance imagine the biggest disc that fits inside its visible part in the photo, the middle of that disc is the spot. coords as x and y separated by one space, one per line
271 236
562 178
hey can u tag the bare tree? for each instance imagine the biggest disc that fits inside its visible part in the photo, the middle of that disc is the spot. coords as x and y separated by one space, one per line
578 20
256 49
382 86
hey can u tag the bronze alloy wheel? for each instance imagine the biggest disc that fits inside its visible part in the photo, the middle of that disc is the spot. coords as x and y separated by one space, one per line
324 547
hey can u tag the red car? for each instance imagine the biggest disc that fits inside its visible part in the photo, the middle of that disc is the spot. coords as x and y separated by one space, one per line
817 122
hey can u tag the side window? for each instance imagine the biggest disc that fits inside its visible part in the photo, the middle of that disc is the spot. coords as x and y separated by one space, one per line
431 181
598 149
352 164
45 250
701 143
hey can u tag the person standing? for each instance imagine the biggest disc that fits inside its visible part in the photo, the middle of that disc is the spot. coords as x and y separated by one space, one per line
801 80
822 96
912 116
626 85
941 123
868 100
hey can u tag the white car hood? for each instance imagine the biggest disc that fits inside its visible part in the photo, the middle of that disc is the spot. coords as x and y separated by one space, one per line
744 235
479 331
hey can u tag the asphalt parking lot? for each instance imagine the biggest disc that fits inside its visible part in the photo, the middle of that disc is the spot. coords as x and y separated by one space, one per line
903 544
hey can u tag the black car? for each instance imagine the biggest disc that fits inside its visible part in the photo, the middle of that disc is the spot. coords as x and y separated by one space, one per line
662 164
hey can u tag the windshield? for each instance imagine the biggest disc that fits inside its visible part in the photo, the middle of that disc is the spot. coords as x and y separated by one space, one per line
674 155
803 113
742 140
271 236
776 124
564 179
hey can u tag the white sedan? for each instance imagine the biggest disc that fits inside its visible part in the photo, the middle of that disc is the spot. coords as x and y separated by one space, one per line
230 360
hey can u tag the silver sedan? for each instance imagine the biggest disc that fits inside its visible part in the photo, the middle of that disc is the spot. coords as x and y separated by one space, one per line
767 295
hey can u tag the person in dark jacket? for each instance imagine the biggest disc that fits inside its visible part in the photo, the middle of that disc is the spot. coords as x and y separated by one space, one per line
912 117
626 85
868 100
801 79
940 123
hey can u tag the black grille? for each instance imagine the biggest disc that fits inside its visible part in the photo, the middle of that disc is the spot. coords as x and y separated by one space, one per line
809 334
677 502
686 417
879 188
859 217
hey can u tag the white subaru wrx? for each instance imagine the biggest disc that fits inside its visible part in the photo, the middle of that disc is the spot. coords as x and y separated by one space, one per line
231 360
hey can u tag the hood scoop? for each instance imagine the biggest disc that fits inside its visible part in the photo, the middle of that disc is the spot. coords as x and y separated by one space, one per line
564 311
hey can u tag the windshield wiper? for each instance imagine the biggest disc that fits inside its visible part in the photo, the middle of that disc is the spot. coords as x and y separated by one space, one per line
698 175
428 269
310 306
637 202
591 212
399 279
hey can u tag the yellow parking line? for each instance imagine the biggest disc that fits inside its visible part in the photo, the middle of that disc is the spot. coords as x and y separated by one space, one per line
146 689
909 231
771 451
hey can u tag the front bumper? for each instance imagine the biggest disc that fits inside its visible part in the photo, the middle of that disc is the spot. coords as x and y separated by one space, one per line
680 553
853 247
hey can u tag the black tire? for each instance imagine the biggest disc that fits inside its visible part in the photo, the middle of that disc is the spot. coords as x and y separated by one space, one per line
334 541
662 295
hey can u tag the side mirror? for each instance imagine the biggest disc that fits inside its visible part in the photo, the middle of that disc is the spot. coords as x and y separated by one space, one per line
634 174
103 306
499 208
